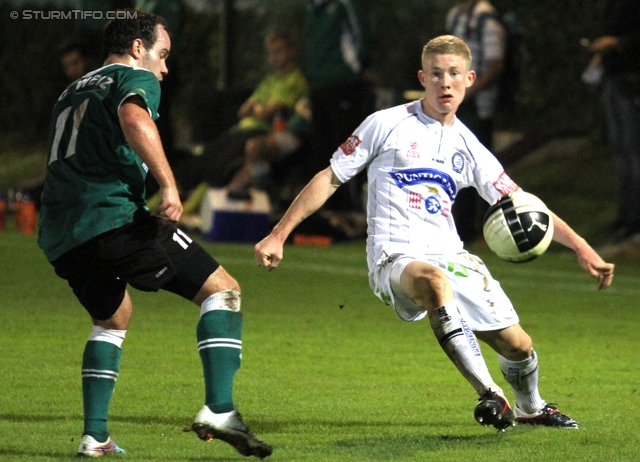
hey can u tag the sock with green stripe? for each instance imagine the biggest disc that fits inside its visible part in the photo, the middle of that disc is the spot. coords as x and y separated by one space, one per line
219 337
100 368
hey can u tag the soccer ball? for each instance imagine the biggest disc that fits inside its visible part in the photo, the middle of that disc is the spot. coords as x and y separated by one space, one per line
518 228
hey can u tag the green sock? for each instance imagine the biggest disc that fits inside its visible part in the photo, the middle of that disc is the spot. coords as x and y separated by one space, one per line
100 366
219 336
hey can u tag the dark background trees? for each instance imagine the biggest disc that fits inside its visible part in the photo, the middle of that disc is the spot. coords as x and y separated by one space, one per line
553 98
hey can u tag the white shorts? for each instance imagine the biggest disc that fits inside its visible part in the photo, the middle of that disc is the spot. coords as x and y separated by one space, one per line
480 298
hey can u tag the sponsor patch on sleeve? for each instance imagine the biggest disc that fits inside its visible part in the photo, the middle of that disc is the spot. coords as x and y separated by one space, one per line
349 146
505 185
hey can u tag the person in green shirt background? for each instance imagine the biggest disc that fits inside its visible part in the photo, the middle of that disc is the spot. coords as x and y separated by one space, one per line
240 158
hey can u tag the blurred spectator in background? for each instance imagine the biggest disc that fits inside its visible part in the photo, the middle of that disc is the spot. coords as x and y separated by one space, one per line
264 150
619 52
338 54
74 62
476 23
241 157
273 101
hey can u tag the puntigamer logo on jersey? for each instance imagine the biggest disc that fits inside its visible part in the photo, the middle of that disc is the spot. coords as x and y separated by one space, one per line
349 146
416 176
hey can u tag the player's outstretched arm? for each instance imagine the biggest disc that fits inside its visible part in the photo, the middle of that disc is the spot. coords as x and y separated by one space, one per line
587 257
143 137
269 251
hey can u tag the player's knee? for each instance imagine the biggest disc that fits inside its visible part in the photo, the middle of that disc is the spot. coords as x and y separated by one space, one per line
432 287
219 281
232 284
518 348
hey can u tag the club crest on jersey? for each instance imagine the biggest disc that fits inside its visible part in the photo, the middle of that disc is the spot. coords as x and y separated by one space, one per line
505 185
433 205
457 162
415 176
349 146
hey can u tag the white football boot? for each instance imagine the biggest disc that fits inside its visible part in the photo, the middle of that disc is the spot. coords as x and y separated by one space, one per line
89 447
229 428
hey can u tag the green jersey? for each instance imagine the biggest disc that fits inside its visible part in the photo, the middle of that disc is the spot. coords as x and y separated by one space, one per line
94 181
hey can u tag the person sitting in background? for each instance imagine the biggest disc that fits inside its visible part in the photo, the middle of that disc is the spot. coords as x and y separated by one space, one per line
255 168
261 151
252 143
274 98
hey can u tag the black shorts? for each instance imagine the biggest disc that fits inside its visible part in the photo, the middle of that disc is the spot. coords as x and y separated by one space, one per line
147 254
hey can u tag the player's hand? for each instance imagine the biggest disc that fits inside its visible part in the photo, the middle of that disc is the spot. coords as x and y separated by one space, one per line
170 209
596 267
268 252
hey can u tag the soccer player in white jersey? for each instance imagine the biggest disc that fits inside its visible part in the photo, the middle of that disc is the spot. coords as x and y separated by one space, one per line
418 156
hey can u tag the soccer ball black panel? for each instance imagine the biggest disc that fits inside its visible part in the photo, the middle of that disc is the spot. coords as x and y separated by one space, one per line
519 227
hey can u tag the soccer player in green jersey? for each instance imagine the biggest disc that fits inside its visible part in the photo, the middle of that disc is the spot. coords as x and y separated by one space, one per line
97 233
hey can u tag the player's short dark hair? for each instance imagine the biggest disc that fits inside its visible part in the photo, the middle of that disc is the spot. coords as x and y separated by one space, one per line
119 33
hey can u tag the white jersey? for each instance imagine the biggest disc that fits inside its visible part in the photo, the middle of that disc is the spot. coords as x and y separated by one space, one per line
415 168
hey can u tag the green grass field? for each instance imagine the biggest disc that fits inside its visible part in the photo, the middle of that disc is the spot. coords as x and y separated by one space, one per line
329 373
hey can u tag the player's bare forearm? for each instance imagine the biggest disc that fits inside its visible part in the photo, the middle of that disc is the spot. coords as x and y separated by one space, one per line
142 135
310 199
268 252
588 258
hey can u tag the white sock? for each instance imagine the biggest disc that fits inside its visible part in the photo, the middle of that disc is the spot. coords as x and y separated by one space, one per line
100 334
226 300
461 346
523 378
